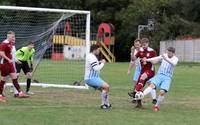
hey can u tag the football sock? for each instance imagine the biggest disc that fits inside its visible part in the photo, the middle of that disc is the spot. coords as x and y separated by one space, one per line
103 94
28 84
160 100
107 99
1 86
140 85
104 97
147 91
16 84
153 93
134 94
15 90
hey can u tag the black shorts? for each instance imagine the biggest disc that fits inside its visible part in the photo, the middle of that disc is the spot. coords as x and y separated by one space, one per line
24 66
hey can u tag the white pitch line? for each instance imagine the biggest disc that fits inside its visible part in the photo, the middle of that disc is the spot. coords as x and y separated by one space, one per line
45 85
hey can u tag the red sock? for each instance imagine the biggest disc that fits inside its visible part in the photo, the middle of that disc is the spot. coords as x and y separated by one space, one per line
16 84
140 85
1 86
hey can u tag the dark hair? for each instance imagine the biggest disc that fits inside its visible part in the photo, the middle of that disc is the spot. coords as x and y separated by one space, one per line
94 47
171 49
145 40
30 43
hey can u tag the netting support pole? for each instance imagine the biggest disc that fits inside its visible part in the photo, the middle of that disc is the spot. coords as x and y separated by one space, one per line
87 36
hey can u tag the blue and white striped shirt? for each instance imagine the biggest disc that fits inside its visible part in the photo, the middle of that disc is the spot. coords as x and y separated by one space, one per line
93 67
167 65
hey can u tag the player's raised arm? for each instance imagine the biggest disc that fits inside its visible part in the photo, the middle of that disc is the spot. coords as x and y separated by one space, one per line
97 66
134 55
154 60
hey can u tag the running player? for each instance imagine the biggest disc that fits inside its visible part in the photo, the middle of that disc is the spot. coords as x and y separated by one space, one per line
134 49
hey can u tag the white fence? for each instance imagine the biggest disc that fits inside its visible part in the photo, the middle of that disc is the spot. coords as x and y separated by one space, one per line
186 50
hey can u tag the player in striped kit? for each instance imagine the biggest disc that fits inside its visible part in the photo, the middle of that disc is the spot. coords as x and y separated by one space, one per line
134 50
92 78
164 75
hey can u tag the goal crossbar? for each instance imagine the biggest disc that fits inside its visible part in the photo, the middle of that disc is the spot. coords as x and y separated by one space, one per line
43 9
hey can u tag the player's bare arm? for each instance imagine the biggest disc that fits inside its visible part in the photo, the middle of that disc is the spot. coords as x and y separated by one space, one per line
130 67
133 58
154 60
103 61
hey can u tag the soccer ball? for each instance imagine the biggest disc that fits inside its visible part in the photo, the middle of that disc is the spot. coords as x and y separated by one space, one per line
139 95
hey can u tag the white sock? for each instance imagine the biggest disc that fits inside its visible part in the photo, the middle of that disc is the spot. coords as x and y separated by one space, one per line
107 99
153 93
103 97
6 79
160 100
4 89
147 91
15 90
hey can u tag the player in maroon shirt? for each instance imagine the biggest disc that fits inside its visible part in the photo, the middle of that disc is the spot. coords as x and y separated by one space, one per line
147 67
7 67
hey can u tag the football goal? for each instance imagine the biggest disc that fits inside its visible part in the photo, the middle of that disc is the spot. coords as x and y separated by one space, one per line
61 38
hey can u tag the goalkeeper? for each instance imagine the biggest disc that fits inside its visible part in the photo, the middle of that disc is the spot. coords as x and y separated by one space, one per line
25 55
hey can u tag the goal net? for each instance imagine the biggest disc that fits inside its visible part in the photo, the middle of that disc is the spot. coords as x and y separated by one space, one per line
61 39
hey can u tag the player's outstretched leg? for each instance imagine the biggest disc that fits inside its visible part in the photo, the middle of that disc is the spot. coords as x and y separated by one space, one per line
153 95
105 96
132 92
135 80
16 85
160 99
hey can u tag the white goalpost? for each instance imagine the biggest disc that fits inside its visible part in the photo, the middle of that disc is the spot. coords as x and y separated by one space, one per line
61 38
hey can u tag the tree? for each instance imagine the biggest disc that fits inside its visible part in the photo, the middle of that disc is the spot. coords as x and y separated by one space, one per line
173 18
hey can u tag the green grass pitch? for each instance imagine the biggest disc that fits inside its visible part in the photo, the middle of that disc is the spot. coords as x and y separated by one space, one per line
50 106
